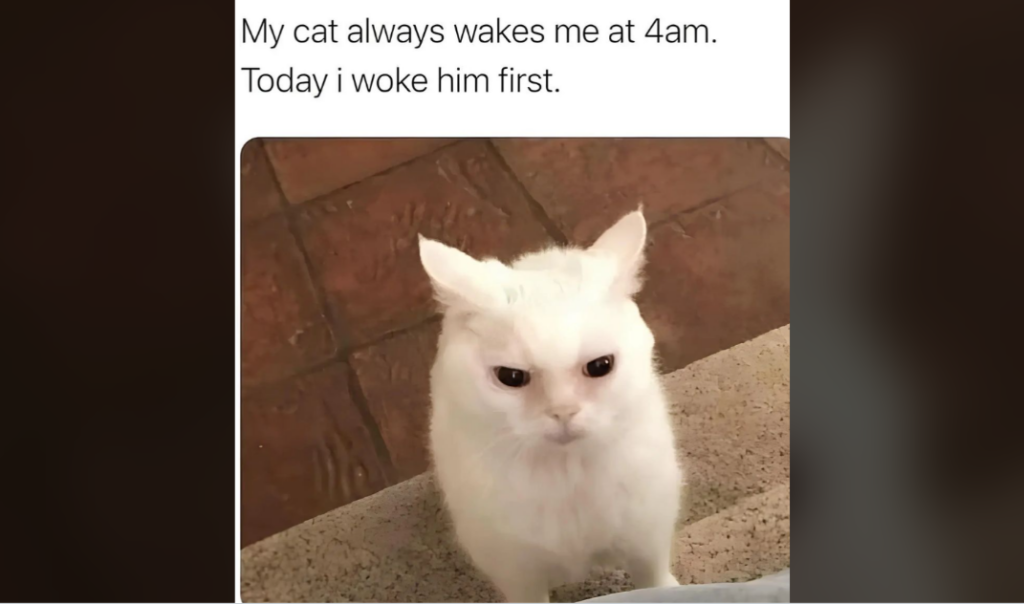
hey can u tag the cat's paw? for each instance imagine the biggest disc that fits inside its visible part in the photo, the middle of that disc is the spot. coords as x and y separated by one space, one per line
667 580
527 596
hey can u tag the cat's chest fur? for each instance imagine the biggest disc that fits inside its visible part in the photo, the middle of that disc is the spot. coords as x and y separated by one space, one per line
562 502
572 503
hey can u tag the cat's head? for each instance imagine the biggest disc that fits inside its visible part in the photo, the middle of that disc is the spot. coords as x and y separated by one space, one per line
551 347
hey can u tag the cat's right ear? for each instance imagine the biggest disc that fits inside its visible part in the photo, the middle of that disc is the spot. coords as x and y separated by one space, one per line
459 280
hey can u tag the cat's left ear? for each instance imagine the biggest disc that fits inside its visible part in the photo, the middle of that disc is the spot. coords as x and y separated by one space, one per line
624 242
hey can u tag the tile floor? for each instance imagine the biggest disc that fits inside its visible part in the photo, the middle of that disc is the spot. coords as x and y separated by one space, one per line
338 328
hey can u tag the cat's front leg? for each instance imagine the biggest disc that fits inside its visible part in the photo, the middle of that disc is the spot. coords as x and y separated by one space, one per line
650 572
525 593
645 574
648 544
649 562
520 582
514 569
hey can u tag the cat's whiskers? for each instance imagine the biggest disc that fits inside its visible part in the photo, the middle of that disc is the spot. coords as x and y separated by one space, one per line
500 438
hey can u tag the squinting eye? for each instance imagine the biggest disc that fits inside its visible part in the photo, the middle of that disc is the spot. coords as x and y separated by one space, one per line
599 367
513 378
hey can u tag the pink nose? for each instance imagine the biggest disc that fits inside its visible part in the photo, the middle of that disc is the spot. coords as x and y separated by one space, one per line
563 415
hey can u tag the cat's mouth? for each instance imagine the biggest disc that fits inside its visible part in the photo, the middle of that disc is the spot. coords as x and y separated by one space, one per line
563 438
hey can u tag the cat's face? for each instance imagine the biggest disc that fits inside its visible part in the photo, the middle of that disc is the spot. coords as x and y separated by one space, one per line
560 371
551 348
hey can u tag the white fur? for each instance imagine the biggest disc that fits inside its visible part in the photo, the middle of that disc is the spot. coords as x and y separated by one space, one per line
531 510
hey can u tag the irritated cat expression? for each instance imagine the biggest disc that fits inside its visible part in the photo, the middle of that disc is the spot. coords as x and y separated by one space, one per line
554 369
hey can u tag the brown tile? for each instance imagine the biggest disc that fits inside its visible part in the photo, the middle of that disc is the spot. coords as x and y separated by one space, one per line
720 276
305 451
260 194
395 377
781 145
362 241
283 328
584 185
310 167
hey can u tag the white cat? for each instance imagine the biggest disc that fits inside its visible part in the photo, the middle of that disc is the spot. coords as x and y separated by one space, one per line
550 432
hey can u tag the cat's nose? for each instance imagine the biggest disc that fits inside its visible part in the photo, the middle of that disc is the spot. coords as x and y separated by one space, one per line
563 415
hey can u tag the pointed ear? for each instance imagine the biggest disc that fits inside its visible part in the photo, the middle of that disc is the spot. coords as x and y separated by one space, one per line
624 243
458 279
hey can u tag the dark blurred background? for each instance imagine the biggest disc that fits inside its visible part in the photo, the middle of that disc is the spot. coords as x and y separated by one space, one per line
906 303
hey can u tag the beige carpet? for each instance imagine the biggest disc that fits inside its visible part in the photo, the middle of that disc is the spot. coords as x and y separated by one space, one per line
732 416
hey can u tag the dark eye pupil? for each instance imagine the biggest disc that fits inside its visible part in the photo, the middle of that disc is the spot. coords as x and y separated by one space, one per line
513 378
599 367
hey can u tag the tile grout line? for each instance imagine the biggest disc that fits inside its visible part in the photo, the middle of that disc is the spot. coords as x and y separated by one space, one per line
383 463
654 224
343 355
287 207
535 208
282 209
394 334
358 397
341 339
282 203
308 368
704 204
675 219
301 372
342 350
294 207
775 152
338 333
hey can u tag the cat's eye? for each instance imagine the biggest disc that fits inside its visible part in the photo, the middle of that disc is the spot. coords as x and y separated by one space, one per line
599 367
513 378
